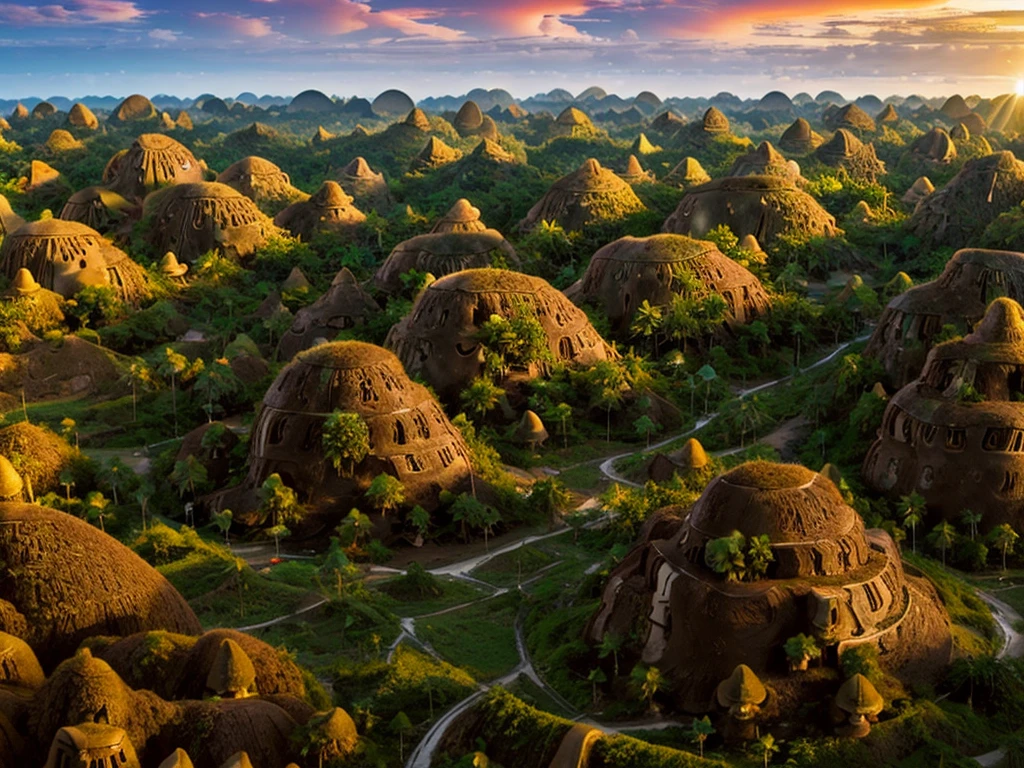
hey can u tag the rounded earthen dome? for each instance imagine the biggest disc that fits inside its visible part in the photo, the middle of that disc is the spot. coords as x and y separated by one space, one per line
392 102
135 107
330 209
153 160
591 194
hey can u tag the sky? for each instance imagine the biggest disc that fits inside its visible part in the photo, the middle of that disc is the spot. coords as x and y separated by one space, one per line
446 47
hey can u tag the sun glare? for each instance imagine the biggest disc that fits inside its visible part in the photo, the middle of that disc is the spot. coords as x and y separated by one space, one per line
1020 87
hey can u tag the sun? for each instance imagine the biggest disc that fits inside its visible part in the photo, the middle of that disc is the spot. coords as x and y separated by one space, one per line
1020 87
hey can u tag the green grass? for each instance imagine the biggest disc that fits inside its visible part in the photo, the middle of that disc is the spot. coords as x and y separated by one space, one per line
262 598
964 606
198 573
509 569
535 696
586 478
455 592
481 639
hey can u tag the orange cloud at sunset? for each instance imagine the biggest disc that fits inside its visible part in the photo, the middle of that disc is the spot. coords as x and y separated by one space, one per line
728 15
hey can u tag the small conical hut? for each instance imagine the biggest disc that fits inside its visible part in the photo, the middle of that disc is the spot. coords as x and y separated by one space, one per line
643 146
417 118
41 310
81 116
409 435
368 188
918 191
20 112
845 150
101 208
39 175
135 108
887 115
851 118
153 161
62 600
11 486
329 210
714 121
183 121
635 173
463 216
766 160
741 693
337 731
907 329
322 136
861 702
574 123
65 256
624 274
762 206
232 675
687 173
531 431
262 182
958 213
435 154
345 305
438 338
589 195
191 219
936 146
799 138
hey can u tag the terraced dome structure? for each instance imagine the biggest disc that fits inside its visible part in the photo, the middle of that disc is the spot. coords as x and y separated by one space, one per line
958 453
830 579
410 436
134 109
799 138
65 580
845 150
191 219
624 274
588 195
714 121
345 305
766 160
443 252
152 161
574 123
959 212
329 210
65 256
367 187
907 329
262 182
101 208
438 338
762 206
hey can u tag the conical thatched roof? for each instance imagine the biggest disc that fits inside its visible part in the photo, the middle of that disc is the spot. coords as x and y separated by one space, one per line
368 188
344 305
936 146
629 271
329 210
19 667
154 160
296 281
446 317
232 674
65 256
461 217
20 112
492 152
338 730
170 266
322 136
410 437
132 109
191 219
417 118
692 455
852 118
635 173
40 174
918 191
81 116
643 146
183 121
574 123
887 115
11 483
845 150
589 195
531 430
131 596
762 206
262 182
763 161
858 696
687 173
742 688
101 208
715 121
799 138
435 154
960 211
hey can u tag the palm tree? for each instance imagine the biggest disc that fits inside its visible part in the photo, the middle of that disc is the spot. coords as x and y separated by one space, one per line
222 520
96 504
799 330
699 732
971 520
1005 538
549 498
400 725
653 682
357 524
113 474
708 374
67 479
766 747
142 496
189 474
172 365
561 413
611 644
596 678
943 536
647 322
912 509
609 398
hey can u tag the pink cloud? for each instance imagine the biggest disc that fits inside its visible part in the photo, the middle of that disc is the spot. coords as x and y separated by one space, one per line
74 12
244 26
343 17
552 26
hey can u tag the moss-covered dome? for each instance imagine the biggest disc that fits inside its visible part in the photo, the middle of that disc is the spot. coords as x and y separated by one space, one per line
330 209
262 182
134 108
800 138
589 195
345 305
153 161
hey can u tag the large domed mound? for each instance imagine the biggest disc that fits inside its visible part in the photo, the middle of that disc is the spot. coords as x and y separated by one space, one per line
81 116
66 581
960 453
624 274
345 305
463 216
154 160
907 329
410 436
329 210
762 206
766 160
367 187
935 146
441 253
850 117
828 578
191 219
100 208
65 256
135 108
61 141
589 195
574 123
845 150
392 103
262 182
438 338
959 212
311 101
799 138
